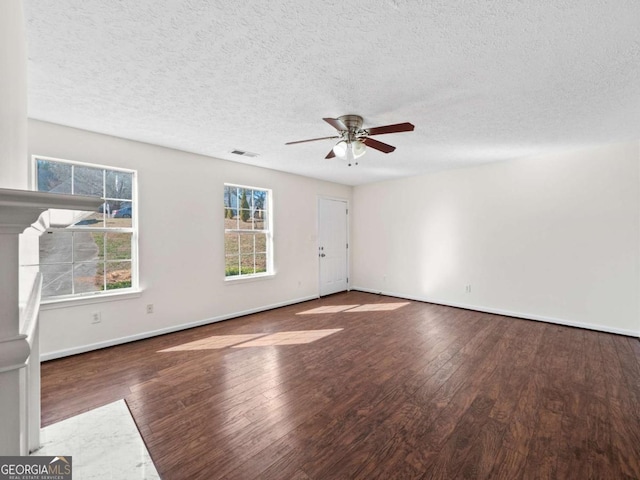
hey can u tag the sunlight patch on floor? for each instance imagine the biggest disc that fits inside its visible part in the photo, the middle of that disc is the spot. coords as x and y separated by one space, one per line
378 307
328 309
367 307
289 338
253 340
213 343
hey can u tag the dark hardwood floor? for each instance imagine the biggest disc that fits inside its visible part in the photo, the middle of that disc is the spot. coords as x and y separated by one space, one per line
402 390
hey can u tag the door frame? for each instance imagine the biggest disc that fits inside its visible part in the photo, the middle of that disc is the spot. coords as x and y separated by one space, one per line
318 226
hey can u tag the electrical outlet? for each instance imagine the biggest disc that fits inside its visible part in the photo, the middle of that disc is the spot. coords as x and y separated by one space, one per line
96 317
150 308
467 288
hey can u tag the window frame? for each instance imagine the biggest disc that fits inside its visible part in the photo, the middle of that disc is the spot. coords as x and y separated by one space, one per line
268 232
104 294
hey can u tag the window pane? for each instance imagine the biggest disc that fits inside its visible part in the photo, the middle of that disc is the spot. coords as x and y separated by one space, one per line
247 243
118 246
260 199
231 220
261 242
231 243
87 246
230 207
54 176
244 211
230 197
118 275
119 185
56 280
55 247
244 197
88 277
248 204
259 220
121 215
231 266
246 264
261 262
245 222
88 181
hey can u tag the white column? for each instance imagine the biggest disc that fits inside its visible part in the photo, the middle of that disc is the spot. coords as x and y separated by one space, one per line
9 285
14 345
13 96
14 353
19 305
14 348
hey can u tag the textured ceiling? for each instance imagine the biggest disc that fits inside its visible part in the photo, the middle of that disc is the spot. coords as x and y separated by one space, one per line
481 81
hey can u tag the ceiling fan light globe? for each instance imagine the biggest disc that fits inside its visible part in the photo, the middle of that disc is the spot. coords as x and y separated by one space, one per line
358 148
340 149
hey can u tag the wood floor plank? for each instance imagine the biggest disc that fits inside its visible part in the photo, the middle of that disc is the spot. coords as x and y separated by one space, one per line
401 389
542 460
623 396
462 442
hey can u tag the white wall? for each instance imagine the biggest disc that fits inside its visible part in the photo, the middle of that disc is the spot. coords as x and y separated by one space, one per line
13 95
181 239
552 238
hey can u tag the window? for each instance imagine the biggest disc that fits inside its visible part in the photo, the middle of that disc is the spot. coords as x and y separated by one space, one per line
247 231
95 254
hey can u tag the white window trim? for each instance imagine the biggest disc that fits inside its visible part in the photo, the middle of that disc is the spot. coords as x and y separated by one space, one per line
270 273
90 298
134 291
256 277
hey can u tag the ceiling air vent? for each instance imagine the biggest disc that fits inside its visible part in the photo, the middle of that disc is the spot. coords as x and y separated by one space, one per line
243 153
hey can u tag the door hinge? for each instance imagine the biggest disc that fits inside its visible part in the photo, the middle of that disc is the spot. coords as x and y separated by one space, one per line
347 245
347 211
347 279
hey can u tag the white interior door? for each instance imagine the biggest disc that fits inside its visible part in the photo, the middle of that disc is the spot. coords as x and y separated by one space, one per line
332 245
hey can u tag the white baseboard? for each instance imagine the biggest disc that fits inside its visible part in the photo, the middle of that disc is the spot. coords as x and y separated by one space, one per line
154 333
507 313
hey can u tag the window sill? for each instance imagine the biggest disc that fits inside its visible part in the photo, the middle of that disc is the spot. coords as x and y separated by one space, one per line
247 279
89 299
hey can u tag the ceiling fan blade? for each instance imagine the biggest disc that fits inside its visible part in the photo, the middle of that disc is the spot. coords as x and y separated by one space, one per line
311 140
383 147
337 124
331 154
395 128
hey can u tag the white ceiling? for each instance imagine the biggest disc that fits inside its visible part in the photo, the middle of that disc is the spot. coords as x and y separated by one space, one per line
481 80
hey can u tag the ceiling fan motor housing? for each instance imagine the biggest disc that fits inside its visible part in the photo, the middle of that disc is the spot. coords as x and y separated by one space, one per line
354 127
352 122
